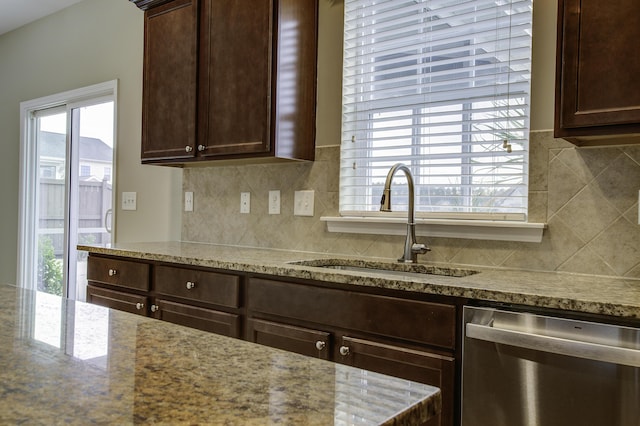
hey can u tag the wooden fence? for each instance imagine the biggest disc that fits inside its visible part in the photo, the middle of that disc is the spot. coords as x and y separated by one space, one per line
94 199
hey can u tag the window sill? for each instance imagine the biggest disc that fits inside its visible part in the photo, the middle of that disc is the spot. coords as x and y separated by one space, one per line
444 228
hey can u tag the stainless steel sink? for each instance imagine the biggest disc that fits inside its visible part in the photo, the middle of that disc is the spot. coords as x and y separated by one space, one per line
396 269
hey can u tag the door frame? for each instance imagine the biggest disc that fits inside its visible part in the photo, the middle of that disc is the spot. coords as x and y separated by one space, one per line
28 203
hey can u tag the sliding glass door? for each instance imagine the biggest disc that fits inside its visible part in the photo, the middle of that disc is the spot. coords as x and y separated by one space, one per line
69 187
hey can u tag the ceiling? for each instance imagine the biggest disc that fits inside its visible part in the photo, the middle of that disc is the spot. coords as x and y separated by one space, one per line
16 13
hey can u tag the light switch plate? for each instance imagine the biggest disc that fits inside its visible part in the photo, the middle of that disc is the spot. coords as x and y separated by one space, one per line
129 200
188 201
245 202
274 202
303 203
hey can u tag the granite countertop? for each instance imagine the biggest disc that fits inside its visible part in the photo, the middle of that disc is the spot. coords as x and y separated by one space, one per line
65 362
574 292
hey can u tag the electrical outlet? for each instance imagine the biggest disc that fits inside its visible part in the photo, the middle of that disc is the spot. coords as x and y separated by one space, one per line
303 203
129 200
274 202
245 202
188 201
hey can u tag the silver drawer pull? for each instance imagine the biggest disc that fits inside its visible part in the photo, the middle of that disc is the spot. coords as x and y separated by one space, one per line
201 148
139 305
344 350
190 285
112 272
155 308
320 345
188 148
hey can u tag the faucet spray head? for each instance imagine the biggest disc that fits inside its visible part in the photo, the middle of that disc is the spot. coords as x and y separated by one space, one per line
385 201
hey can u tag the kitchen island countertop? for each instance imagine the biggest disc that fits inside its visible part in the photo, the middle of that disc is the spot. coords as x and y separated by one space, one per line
66 362
619 297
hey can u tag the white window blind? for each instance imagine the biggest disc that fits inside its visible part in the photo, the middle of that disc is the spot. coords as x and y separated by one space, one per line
443 87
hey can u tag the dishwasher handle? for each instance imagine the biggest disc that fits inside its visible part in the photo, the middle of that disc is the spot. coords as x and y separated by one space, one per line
555 345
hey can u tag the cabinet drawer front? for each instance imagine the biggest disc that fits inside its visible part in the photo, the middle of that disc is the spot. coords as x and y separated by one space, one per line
301 340
417 321
203 286
117 300
121 273
419 366
200 318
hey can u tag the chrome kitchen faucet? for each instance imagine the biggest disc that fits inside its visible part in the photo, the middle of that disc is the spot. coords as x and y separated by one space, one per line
411 247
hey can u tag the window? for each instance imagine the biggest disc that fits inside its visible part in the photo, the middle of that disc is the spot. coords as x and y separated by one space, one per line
85 170
443 87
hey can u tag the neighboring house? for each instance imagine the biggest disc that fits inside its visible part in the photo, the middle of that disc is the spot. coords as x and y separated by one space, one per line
95 157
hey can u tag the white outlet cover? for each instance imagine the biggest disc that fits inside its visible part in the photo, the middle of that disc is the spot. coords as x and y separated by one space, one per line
303 203
274 202
188 201
129 201
245 202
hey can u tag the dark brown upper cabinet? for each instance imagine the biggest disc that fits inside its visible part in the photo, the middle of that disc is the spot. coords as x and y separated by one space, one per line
597 84
229 79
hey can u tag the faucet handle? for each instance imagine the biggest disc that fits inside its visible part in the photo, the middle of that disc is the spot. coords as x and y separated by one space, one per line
419 248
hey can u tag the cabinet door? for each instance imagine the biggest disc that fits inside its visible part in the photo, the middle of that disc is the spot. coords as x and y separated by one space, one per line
424 367
235 77
200 318
121 301
301 340
169 79
597 85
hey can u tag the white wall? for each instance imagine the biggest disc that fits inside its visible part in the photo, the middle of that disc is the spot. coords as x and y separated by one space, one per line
91 42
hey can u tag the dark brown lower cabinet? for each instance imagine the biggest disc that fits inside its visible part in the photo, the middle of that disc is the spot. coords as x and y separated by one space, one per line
119 300
416 365
411 339
301 340
201 318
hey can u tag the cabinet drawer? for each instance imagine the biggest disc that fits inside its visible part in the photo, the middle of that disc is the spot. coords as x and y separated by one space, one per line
416 321
117 300
419 366
301 340
200 318
203 286
121 273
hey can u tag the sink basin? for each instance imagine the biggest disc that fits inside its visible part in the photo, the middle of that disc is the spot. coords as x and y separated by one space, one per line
397 269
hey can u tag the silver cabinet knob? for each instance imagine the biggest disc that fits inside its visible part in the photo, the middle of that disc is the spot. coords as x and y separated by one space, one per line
201 148
155 308
190 285
344 350
188 148
112 272
320 345
139 306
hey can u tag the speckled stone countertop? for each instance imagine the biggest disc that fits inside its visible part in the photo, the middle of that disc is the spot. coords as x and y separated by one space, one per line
581 293
65 362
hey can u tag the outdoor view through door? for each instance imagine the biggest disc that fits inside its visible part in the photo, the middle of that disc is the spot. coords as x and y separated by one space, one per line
67 177
80 205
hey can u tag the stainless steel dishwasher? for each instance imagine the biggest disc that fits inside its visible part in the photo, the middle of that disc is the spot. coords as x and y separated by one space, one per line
533 370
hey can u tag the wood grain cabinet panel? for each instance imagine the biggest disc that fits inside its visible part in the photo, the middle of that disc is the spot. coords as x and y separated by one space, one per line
169 98
229 79
420 366
597 84
300 340
411 320
117 272
133 303
198 285
201 318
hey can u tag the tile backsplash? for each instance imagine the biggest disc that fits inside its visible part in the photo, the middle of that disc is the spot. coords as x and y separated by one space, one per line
587 196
